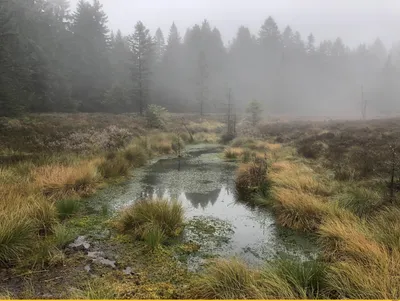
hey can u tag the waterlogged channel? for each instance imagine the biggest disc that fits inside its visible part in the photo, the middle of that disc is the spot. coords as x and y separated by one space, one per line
219 223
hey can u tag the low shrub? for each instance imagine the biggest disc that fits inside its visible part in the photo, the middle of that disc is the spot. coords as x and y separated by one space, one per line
157 116
312 150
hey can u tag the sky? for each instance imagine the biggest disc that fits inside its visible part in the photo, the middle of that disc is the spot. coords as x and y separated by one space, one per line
355 21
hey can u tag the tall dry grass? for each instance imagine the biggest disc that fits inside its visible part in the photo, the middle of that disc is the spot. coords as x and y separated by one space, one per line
59 181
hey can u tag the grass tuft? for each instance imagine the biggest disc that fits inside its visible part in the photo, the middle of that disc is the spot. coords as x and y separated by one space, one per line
16 235
67 208
227 279
135 155
113 167
152 219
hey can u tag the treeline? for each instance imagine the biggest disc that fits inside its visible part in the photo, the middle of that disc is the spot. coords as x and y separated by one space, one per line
55 60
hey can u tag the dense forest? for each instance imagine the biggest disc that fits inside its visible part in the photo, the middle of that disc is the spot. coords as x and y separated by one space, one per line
56 60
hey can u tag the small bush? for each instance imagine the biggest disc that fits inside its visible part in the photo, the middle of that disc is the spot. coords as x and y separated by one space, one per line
67 208
116 167
157 116
312 150
178 145
16 235
147 214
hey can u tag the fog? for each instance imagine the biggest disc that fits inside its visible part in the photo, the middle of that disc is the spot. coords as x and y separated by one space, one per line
355 21
298 58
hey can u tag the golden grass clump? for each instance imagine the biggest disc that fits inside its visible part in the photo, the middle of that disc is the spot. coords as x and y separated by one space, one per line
250 176
298 210
152 220
298 177
60 181
349 238
353 279
233 152
16 236
227 279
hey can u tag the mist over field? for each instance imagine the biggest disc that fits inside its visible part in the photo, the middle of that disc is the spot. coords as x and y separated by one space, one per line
308 58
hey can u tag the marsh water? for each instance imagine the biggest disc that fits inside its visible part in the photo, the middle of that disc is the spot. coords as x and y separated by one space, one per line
217 221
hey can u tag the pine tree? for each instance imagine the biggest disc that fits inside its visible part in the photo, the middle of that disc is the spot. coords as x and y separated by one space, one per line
141 45
269 34
91 66
159 45
202 84
310 48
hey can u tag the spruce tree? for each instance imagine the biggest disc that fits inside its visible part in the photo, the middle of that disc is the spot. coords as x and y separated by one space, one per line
141 45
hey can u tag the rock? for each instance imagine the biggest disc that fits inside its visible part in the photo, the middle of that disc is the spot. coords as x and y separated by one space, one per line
95 254
80 244
47 296
98 257
105 261
128 271
87 268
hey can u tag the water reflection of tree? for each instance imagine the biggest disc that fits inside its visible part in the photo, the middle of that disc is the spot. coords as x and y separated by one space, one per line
203 199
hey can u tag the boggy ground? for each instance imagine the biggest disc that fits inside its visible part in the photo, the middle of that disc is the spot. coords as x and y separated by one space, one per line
327 179
333 180
50 165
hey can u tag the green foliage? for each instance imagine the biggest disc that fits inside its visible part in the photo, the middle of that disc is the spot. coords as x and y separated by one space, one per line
151 217
254 109
62 236
16 235
361 201
67 208
153 236
307 280
157 116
